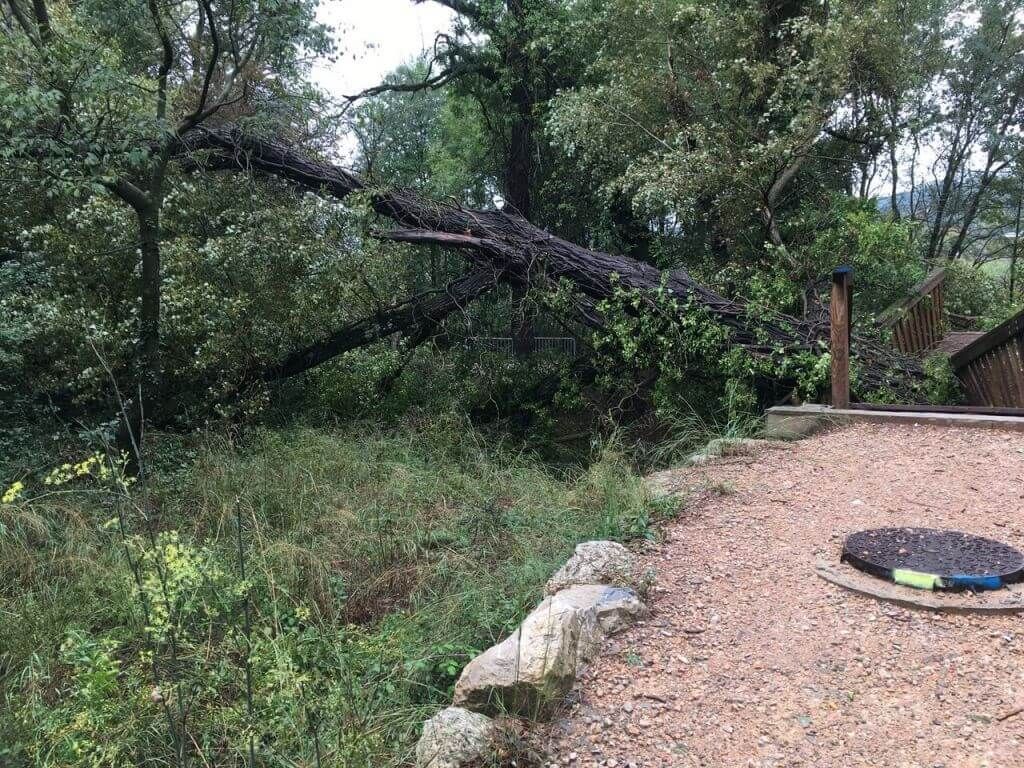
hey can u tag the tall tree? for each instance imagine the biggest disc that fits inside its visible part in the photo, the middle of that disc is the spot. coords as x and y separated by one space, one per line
115 86
975 133
505 57
729 119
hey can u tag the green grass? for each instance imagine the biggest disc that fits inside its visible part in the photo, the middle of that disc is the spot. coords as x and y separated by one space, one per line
378 563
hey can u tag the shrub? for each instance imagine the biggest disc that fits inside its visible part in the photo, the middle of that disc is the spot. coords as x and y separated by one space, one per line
975 298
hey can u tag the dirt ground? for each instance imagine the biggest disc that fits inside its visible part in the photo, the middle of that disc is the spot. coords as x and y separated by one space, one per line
750 659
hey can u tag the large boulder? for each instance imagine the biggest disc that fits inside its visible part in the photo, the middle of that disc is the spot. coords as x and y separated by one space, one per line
596 562
455 738
530 672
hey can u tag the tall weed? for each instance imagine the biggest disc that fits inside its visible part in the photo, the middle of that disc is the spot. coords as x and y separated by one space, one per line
377 563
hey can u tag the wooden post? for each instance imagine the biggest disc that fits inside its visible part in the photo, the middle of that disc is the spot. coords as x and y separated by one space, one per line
842 281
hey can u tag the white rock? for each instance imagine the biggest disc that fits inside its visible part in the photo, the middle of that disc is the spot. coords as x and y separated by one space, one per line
529 672
596 562
455 738
726 446
616 608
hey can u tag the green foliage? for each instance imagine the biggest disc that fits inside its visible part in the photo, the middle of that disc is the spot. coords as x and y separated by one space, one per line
687 355
941 385
880 250
975 297
739 142
722 136
91 726
643 334
430 140
95 98
377 564
264 272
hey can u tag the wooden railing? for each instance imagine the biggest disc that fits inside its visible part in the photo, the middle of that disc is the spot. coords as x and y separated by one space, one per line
991 368
917 322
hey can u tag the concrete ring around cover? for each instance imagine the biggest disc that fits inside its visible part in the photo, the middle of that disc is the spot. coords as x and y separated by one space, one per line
1007 600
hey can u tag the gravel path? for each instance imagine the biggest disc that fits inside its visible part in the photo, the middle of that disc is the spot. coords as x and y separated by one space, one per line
751 660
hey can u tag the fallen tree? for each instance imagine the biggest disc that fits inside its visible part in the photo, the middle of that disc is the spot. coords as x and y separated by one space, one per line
416 317
510 249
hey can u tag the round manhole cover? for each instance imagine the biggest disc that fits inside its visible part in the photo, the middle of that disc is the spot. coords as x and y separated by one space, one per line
931 559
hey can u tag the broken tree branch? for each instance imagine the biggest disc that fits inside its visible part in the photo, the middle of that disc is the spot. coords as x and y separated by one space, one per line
523 254
416 317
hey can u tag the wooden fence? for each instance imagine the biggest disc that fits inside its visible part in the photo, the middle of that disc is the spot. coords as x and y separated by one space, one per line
917 322
992 367
989 365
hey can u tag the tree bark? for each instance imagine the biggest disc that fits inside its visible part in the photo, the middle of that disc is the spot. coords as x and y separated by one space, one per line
524 254
1016 243
149 310
894 200
519 162
418 317
147 213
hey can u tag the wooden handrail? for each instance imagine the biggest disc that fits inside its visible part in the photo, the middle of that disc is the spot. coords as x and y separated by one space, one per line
999 335
892 314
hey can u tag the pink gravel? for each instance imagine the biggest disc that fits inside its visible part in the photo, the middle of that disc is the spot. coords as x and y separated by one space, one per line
750 659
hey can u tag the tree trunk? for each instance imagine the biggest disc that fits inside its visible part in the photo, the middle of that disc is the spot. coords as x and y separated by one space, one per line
519 162
524 254
894 200
939 226
149 312
1016 243
417 317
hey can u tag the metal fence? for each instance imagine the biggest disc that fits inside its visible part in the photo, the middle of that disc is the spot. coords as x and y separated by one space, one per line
503 345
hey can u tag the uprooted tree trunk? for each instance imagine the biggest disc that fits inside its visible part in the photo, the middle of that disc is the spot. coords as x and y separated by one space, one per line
417 317
519 253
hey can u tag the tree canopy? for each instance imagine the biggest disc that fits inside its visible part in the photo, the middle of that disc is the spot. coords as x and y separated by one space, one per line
306 393
750 147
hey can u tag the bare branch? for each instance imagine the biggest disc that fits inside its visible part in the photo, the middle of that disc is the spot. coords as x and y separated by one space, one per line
166 62
211 67
129 193
416 317
429 82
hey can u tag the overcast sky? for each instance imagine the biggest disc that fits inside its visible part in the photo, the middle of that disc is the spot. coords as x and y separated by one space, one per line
374 37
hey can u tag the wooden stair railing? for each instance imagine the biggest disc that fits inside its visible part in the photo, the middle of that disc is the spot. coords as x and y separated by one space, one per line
991 367
917 322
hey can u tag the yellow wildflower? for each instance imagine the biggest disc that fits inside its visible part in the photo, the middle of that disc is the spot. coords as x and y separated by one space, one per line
12 493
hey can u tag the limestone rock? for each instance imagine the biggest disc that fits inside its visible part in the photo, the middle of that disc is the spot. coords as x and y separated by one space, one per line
727 446
529 672
667 483
616 608
596 562
454 738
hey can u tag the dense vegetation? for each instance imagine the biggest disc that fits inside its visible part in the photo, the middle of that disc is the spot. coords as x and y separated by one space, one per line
294 590
398 505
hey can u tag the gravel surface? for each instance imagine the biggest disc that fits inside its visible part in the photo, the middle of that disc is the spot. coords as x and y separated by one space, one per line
751 660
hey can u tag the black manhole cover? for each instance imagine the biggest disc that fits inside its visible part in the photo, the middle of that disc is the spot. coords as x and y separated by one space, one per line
931 559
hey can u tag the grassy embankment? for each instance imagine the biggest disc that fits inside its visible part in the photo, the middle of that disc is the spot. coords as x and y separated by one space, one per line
376 562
